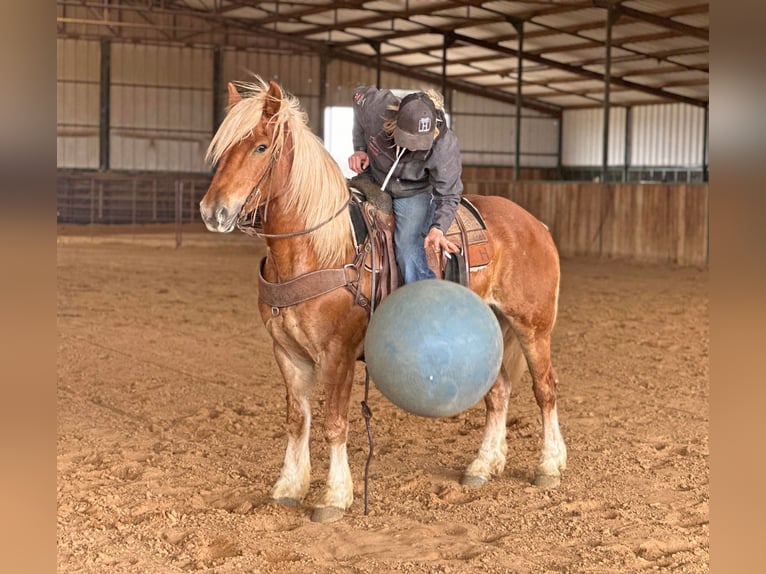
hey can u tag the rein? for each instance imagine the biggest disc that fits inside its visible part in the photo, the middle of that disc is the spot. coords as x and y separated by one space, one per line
309 285
252 227
248 220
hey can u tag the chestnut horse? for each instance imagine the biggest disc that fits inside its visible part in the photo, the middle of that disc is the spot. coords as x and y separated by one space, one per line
269 162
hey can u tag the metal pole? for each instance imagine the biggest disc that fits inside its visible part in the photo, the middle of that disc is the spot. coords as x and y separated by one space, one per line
449 39
519 25
133 205
154 199
191 202
323 60
375 45
101 201
217 87
92 201
607 86
179 209
705 143
105 80
560 149
628 137
610 18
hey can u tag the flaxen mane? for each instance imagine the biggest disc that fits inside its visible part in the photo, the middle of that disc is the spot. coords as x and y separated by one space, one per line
316 189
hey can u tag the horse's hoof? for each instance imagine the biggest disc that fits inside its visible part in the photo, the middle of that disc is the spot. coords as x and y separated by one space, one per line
327 514
285 501
547 481
474 480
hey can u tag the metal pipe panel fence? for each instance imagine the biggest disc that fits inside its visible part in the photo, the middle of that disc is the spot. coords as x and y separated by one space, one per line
128 198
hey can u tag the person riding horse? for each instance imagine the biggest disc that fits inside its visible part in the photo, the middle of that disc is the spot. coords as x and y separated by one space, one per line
407 149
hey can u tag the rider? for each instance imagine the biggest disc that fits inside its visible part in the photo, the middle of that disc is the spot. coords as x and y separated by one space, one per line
415 157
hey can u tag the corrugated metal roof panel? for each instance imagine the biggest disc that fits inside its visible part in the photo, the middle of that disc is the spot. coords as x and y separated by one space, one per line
559 36
571 18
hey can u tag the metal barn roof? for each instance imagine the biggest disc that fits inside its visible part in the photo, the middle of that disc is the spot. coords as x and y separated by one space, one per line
659 49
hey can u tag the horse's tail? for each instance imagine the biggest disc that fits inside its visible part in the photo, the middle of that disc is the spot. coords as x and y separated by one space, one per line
514 362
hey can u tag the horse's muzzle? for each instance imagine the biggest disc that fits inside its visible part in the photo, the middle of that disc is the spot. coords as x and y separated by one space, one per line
218 217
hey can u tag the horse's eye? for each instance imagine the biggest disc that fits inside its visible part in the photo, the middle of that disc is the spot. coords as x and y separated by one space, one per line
260 149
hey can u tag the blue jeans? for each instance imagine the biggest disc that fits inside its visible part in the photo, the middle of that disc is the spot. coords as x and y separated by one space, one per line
413 216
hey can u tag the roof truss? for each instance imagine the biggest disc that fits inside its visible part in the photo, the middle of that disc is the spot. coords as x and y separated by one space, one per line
480 40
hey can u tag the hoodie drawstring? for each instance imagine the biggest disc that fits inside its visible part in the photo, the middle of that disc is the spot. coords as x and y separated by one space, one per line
399 155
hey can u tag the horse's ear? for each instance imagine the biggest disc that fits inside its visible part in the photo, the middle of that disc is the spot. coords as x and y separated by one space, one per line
234 96
273 100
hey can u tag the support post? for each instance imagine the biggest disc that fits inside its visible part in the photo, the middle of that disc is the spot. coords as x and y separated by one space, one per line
133 203
101 201
519 26
560 149
192 205
628 139
92 201
105 80
705 144
217 88
611 17
449 39
322 103
179 192
154 199
375 45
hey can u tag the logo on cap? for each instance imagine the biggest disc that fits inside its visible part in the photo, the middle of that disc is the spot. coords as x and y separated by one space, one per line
424 125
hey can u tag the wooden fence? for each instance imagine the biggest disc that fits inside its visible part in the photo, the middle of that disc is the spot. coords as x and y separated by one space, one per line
644 222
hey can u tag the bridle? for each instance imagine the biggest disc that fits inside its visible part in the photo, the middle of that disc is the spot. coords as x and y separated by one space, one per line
250 221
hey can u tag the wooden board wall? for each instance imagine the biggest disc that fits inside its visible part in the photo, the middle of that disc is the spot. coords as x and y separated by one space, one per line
646 222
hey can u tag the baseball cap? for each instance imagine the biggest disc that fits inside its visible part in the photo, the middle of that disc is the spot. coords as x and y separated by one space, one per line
415 123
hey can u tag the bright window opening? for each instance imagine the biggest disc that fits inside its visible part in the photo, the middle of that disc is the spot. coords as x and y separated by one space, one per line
338 124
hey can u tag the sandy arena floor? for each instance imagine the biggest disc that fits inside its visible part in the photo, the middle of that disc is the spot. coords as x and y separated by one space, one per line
171 411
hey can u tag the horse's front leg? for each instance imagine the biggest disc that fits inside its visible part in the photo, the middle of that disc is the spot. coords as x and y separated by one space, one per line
294 480
337 374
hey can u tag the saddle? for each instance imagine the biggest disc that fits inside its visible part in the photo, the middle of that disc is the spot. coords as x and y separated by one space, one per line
372 216
373 221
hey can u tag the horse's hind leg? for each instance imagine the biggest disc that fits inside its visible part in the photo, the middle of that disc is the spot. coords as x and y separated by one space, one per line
294 480
553 457
491 458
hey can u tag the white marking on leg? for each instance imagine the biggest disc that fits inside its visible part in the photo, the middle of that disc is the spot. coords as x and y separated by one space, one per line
294 480
339 490
553 458
490 460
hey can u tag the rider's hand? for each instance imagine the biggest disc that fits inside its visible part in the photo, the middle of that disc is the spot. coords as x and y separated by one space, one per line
435 240
359 161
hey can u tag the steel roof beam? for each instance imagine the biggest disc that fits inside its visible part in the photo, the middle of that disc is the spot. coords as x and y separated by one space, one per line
685 29
582 71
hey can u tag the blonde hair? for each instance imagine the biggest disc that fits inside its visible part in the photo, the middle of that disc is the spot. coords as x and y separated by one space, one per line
316 188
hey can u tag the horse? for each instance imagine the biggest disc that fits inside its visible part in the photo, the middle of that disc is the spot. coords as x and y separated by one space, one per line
269 163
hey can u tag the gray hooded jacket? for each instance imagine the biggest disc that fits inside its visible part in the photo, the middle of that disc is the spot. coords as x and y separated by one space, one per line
436 171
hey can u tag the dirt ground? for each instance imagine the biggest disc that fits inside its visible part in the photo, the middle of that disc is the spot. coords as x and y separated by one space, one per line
171 412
